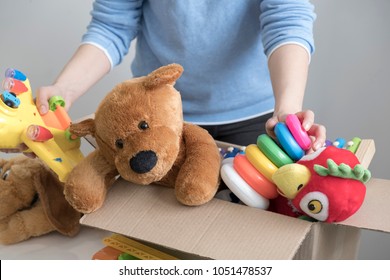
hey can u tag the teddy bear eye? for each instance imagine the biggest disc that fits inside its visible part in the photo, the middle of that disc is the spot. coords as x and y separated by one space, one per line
5 175
143 125
119 143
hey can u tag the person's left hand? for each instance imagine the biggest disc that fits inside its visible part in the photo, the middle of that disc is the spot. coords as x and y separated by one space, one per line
22 148
317 132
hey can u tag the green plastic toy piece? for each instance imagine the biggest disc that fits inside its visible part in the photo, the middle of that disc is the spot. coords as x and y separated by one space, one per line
56 100
69 136
353 145
126 256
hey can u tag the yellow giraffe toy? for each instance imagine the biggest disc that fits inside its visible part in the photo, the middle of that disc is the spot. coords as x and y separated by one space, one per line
45 135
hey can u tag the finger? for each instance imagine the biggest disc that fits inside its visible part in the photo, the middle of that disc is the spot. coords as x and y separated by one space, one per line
43 95
270 125
20 148
30 155
307 119
10 151
319 133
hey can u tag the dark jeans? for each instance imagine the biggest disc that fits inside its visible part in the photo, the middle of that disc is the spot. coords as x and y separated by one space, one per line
240 133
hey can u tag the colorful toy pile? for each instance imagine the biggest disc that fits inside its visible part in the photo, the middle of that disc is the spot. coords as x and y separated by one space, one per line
275 175
45 135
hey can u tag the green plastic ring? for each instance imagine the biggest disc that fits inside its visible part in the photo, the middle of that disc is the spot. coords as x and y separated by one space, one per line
56 100
272 151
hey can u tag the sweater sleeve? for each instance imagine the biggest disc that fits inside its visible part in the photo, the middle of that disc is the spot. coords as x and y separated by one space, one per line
287 21
113 26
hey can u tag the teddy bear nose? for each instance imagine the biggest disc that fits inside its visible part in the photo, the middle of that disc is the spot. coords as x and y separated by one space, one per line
143 161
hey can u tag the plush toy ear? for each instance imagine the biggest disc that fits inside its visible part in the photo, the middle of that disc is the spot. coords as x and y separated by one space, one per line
165 75
60 213
83 128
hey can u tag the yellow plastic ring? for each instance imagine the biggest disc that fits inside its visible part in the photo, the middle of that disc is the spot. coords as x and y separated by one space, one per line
260 161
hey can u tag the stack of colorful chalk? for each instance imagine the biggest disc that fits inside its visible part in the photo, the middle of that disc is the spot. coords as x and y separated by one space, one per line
248 174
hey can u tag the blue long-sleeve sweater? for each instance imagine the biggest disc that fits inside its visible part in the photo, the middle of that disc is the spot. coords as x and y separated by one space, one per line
223 46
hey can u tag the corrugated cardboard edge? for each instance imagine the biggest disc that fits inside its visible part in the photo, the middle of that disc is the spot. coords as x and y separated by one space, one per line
217 230
374 213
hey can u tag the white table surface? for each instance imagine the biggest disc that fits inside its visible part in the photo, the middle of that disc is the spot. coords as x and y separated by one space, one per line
54 246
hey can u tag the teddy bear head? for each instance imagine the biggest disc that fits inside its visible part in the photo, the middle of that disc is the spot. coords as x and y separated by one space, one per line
138 125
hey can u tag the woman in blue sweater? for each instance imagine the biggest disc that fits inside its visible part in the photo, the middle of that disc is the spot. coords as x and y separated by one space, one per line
245 62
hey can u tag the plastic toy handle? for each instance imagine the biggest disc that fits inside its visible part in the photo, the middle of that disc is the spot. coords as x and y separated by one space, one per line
56 100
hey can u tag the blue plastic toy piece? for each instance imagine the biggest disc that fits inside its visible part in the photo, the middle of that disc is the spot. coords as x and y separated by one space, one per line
10 99
288 142
339 143
16 74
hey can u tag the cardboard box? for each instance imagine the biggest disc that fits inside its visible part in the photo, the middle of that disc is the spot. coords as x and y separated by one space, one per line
225 230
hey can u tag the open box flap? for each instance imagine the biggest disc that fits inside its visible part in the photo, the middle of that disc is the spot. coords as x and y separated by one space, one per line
374 213
216 230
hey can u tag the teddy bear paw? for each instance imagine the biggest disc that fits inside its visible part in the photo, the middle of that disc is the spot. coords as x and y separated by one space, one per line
82 204
193 195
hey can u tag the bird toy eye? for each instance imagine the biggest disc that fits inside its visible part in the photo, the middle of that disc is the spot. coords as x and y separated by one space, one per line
315 206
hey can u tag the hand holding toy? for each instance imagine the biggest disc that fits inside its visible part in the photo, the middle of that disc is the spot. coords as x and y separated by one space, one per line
327 185
45 135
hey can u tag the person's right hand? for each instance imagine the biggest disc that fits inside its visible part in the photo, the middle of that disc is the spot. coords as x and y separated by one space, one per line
42 103
46 92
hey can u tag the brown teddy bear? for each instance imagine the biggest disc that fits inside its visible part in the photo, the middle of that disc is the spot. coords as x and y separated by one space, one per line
141 136
32 202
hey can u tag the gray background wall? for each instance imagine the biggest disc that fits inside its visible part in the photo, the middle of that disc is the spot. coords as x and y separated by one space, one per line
347 88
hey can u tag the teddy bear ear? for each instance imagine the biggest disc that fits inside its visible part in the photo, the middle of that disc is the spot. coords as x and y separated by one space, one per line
162 76
83 128
57 209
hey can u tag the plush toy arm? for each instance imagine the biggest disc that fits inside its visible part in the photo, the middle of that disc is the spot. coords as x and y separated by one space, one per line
87 184
198 178
24 224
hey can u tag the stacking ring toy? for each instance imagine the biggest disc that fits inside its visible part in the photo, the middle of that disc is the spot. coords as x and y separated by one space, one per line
272 151
297 131
241 188
288 142
227 160
260 161
254 178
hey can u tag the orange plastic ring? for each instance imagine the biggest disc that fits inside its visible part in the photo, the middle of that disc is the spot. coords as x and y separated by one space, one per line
254 178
